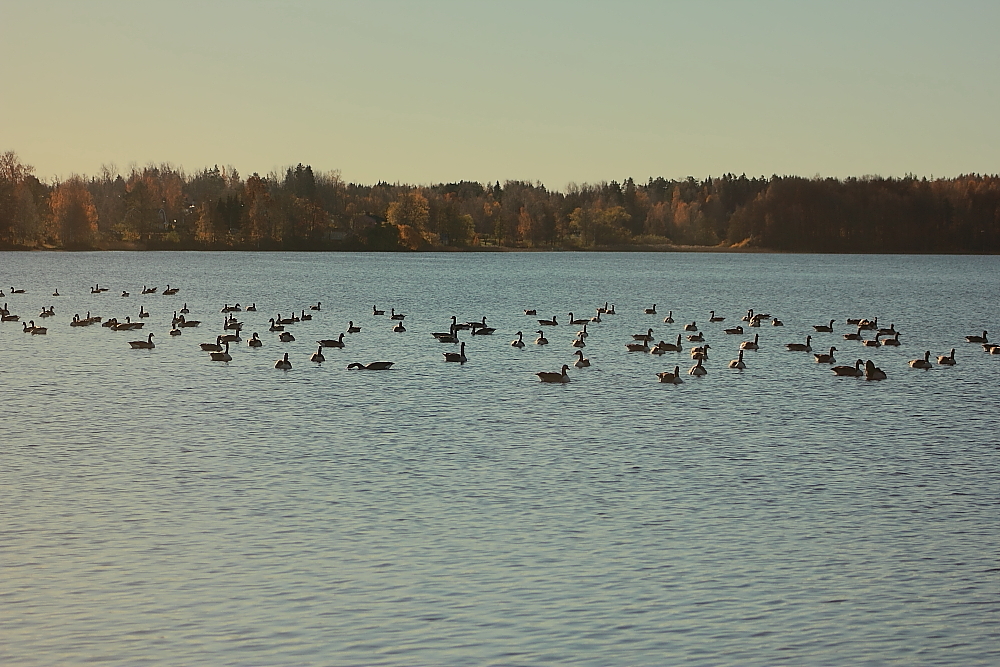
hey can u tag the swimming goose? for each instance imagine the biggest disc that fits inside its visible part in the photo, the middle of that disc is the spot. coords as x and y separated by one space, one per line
16 291
393 315
698 369
351 328
691 327
376 311
232 338
669 319
976 339
25 326
554 377
603 309
869 325
700 352
922 363
891 331
283 363
824 328
286 337
305 317
658 350
185 311
334 342
255 341
581 361
582 333
458 357
541 340
578 342
650 311
894 341
638 347
252 308
849 371
549 323
800 347
947 360
142 344
875 342
738 362
373 366
56 293
696 338
171 290
143 312
610 311
284 320
212 347
853 336
221 356
483 330
734 330
318 355
174 331
667 347
151 290
751 345
713 318
777 323
754 322
596 318
188 323
648 336
872 372
451 337
317 306
125 294
274 327
37 331
826 358
519 341
667 377
530 311
572 320
399 328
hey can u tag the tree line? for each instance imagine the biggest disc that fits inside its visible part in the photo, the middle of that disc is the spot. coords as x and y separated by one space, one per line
162 207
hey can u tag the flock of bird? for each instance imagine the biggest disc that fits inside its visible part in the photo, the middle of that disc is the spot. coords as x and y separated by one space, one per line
643 342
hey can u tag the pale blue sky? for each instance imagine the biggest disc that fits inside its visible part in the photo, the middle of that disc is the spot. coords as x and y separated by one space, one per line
560 92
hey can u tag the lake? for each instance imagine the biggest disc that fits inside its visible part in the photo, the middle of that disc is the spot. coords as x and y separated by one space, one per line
162 508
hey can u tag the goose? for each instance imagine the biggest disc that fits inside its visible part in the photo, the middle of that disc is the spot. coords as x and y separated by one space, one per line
185 311
232 338
283 363
578 342
700 352
648 336
603 309
872 372
891 331
751 344
284 320
995 349
51 311
351 328
376 311
667 347
221 356
143 312
38 331
875 342
853 336
549 323
610 311
56 293
142 344
977 339
713 318
451 337
826 358
189 323
573 320
275 327
451 329
947 360
669 319
93 290
596 318
10 318
458 357
824 328
231 323
541 340
698 369
581 361
738 362
530 311
734 330
305 317
393 315
667 377
228 309
373 366
318 355
151 290
317 306
869 325
748 316
800 347
849 371
286 337
171 290
854 320
295 318
519 341
212 347
777 323
125 294
922 363
483 330
754 322
650 311
894 341
252 308
16 291
638 347
659 348
25 326
582 333
174 331
696 338
691 327
255 341
332 342
399 328
554 377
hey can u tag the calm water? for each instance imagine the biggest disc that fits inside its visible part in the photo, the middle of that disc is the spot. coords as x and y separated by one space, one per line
160 508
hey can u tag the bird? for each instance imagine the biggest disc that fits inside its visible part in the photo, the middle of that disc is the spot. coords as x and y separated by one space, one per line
175 331
275 327
212 347
549 323
255 341
668 347
582 333
696 338
578 342
316 307
849 371
286 337
922 363
185 311
142 344
530 311
376 311
713 318
334 342
648 336
305 316
37 331
611 310
891 331
853 336
777 323
669 319
232 338
16 291
541 340
698 369
554 377
893 342
450 337
826 358
458 357
875 342
318 355
596 318
659 348
869 325
824 328
749 315
872 372
283 363
700 352
171 290
977 339
691 327
56 293
252 308
188 323
650 311
638 347
373 366
221 356
667 377
572 320
351 328
738 362
800 347
948 359
519 341
393 315
751 344
285 320
399 328
581 361
734 330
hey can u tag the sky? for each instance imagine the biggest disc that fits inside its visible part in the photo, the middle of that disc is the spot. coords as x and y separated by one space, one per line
553 91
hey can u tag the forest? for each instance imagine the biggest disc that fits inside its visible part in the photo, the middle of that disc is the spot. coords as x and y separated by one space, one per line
160 207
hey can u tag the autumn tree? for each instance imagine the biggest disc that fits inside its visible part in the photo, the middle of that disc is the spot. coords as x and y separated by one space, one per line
74 215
